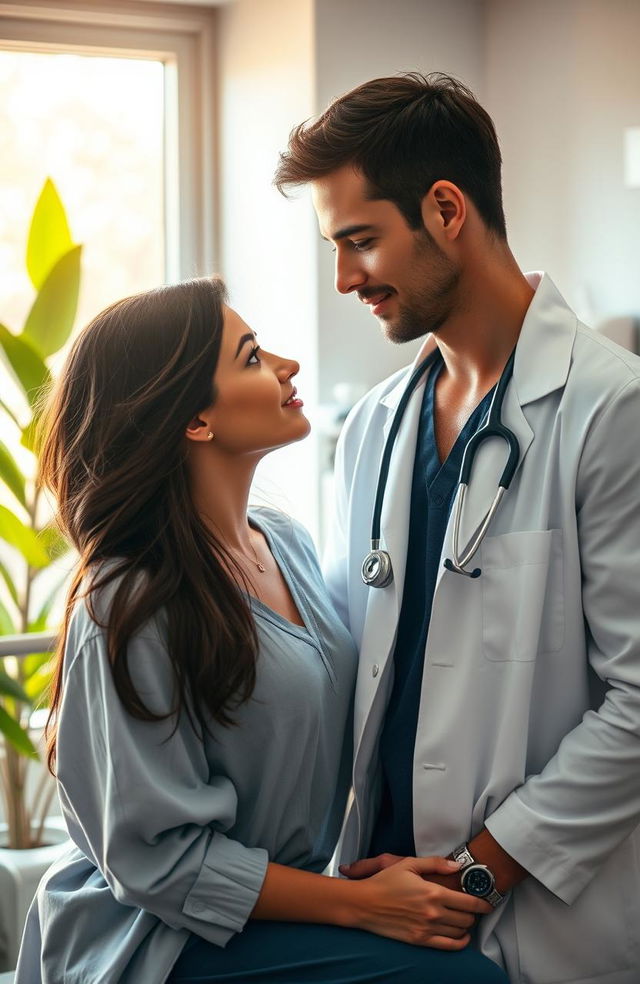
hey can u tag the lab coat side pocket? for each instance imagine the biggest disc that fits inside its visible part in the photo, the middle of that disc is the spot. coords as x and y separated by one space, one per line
522 595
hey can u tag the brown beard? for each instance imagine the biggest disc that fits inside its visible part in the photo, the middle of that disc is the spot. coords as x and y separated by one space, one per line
429 303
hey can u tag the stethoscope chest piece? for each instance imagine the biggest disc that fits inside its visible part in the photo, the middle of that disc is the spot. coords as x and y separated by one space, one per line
377 571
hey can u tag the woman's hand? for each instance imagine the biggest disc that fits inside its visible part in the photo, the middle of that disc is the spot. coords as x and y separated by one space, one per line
400 903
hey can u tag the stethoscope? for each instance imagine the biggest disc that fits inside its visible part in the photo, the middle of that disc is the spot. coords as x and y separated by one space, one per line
377 570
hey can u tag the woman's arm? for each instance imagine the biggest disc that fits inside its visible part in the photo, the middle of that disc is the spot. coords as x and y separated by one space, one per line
398 902
141 802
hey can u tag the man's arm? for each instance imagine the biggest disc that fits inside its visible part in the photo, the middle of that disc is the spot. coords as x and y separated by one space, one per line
562 824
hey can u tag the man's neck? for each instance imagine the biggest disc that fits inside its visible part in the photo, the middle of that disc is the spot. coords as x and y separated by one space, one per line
479 337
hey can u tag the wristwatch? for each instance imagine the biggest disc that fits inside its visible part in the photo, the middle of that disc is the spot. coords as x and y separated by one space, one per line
476 879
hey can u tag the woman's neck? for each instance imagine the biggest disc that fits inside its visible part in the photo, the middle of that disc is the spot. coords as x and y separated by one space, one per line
220 491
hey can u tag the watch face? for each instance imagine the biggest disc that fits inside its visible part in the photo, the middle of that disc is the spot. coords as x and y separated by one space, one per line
477 880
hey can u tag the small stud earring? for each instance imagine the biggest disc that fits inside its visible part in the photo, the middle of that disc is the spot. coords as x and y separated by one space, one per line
210 436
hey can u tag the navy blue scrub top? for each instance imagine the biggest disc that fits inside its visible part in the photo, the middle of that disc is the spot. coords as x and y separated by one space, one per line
432 493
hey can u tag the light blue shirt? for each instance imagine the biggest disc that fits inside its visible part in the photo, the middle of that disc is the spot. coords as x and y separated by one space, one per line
172 834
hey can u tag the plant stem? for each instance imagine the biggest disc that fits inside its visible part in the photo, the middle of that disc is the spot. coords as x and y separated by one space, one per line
37 840
4 781
41 787
32 509
17 817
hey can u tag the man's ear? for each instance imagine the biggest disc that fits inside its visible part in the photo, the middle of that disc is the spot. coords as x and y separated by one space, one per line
444 210
199 429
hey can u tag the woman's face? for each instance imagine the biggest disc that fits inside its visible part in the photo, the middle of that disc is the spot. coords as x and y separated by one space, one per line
254 410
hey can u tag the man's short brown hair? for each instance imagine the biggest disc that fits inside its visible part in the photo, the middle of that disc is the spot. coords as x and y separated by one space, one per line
404 133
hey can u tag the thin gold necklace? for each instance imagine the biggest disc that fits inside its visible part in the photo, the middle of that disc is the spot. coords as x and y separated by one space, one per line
262 569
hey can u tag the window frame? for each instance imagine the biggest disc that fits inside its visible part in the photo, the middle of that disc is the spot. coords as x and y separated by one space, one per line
183 37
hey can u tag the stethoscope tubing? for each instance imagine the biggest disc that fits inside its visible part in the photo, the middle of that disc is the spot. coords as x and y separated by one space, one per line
415 378
377 570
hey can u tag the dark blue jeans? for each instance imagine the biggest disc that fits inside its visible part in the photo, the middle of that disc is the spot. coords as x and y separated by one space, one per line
302 953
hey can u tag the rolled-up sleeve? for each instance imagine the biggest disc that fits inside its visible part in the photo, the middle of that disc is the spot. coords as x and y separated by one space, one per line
564 823
142 803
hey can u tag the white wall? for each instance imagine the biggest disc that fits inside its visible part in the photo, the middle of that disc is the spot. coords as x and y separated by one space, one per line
267 247
280 62
356 41
563 80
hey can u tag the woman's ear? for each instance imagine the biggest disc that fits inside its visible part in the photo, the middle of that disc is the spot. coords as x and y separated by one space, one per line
199 429
444 210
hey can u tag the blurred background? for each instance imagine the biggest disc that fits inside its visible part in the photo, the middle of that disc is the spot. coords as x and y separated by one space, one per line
161 123
159 126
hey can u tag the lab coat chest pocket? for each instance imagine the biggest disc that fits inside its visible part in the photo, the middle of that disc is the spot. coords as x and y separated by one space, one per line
522 595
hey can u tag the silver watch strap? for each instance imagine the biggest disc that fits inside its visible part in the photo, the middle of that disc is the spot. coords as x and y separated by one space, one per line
463 856
465 859
495 898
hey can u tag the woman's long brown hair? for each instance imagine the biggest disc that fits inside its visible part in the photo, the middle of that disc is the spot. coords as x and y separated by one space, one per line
114 456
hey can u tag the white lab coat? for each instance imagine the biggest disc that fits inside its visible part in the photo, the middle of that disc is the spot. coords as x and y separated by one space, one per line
530 706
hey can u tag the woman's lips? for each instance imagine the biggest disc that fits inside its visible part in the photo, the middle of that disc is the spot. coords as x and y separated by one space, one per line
293 400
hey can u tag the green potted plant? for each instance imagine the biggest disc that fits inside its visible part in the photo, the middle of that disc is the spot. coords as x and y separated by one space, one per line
29 546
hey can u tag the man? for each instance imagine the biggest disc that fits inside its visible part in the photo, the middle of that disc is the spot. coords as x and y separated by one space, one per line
497 715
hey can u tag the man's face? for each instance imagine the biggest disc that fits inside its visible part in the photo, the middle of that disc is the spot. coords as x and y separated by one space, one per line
401 273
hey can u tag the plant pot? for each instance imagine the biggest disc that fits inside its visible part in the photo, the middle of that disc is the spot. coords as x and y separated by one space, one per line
20 872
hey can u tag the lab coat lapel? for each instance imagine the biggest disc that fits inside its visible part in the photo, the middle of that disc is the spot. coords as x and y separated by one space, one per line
543 359
383 604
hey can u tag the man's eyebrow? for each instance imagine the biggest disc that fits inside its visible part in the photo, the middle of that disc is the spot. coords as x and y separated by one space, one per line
249 337
347 231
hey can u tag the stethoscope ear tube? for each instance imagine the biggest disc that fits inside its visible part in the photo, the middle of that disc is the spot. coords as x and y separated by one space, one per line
377 570
493 428
458 564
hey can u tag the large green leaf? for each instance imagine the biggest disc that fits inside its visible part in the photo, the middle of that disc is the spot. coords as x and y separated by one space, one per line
27 364
49 235
22 538
11 688
7 626
10 413
11 474
8 580
29 665
18 737
41 621
54 543
51 317
31 436
38 685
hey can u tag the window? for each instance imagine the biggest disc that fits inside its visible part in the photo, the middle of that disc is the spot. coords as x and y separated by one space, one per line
153 61
114 102
95 125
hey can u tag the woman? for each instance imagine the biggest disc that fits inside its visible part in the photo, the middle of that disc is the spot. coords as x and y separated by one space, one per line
200 717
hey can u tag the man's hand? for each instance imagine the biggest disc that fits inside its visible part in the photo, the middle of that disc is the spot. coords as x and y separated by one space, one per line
366 867
483 847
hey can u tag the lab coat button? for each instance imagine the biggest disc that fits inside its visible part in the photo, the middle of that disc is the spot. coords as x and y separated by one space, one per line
375 670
